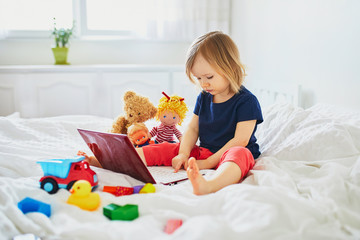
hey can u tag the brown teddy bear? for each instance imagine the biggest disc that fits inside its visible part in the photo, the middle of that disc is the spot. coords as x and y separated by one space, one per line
137 109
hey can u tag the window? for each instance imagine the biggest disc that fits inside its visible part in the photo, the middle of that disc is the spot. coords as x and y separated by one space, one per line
23 18
151 19
21 15
111 17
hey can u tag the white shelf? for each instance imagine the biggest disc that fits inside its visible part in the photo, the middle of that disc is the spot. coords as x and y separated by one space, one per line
52 90
90 68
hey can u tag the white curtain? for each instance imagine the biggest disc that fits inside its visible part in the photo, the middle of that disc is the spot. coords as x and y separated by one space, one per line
3 30
183 19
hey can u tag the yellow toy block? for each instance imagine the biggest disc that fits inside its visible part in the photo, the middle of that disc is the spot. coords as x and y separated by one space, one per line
148 188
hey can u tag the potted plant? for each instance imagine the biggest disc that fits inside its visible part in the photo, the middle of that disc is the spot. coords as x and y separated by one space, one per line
61 49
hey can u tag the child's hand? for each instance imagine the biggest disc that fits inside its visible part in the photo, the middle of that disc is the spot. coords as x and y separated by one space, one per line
179 161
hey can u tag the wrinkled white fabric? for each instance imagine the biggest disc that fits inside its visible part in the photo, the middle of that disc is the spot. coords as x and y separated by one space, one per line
305 185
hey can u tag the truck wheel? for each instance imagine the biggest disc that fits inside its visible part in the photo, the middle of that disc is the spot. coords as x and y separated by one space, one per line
69 186
50 185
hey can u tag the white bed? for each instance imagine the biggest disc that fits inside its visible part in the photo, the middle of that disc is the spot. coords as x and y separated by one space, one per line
305 185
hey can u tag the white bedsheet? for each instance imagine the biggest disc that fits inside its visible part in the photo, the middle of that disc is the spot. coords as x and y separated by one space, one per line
305 185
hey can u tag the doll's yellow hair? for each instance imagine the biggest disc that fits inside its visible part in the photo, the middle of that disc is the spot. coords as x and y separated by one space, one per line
174 104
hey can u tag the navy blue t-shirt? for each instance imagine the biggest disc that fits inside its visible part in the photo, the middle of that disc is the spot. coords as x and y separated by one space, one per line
217 121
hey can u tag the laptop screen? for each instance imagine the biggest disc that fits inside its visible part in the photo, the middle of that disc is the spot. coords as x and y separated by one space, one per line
115 152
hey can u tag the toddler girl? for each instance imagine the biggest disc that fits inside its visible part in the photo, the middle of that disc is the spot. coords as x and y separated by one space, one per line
225 118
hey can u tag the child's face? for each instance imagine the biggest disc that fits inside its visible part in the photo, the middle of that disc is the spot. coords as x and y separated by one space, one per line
169 118
139 137
210 80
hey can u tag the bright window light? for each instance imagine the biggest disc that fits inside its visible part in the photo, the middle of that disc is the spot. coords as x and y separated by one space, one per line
113 19
114 15
35 14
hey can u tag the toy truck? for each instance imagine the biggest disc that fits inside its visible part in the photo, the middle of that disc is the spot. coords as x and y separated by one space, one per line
63 173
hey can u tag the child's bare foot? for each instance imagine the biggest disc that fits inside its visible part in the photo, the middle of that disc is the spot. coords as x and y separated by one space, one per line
199 183
90 159
93 161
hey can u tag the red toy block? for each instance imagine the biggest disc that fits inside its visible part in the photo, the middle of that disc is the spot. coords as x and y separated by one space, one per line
118 190
172 225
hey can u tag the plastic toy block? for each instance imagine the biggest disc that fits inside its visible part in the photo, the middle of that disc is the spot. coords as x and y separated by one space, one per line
172 225
118 190
31 205
138 188
148 188
128 212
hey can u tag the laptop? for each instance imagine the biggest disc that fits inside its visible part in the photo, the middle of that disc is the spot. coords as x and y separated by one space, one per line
115 152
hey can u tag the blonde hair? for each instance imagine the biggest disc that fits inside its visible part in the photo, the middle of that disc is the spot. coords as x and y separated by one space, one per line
174 104
222 54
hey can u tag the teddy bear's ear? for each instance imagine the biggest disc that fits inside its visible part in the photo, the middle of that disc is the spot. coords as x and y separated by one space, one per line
128 95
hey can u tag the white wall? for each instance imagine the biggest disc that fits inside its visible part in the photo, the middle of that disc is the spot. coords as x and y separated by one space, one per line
315 43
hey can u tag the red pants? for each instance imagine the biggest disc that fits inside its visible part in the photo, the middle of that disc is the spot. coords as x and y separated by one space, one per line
163 153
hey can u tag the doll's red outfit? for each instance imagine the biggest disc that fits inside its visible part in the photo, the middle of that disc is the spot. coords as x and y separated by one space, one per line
217 125
165 133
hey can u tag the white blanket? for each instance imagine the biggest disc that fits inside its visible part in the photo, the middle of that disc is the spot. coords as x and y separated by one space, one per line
305 185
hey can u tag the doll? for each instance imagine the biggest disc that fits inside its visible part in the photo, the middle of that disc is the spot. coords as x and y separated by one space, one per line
171 111
139 135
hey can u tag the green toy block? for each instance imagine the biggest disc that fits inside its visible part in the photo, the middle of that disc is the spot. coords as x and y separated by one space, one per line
107 210
128 212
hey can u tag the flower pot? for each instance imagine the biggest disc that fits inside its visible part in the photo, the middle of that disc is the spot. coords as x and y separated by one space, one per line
60 55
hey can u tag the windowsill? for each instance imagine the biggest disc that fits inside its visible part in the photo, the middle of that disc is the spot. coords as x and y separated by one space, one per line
95 38
91 68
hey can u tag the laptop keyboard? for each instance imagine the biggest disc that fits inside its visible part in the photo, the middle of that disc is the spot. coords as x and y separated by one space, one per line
164 174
